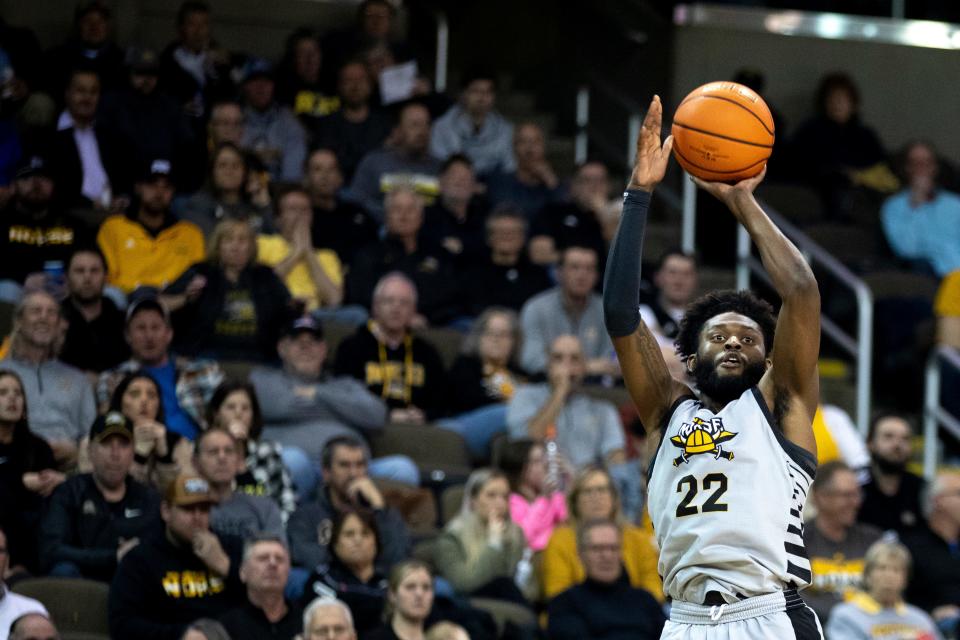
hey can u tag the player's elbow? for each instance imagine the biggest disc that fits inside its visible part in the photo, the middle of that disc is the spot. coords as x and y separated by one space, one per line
803 287
619 320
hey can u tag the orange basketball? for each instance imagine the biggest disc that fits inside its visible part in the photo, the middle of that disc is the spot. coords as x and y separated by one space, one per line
722 131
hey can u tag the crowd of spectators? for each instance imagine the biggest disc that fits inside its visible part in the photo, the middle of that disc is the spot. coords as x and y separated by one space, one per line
184 233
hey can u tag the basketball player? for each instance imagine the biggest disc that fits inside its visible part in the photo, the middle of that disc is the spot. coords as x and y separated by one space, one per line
734 463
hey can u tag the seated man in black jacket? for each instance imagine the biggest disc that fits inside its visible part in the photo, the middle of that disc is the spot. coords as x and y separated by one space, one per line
506 278
91 165
94 519
407 249
604 606
346 486
265 612
177 574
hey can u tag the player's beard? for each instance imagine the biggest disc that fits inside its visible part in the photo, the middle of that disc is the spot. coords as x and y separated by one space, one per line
724 389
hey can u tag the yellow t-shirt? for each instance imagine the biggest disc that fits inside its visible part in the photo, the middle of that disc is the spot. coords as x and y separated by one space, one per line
827 449
135 258
273 249
948 296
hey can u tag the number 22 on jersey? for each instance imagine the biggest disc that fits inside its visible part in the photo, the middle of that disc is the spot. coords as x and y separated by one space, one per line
692 487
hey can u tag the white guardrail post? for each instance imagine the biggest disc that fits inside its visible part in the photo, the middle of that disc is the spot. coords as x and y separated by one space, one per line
931 403
443 52
864 355
583 121
633 132
688 239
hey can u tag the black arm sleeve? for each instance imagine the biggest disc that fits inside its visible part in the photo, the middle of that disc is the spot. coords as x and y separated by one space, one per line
621 282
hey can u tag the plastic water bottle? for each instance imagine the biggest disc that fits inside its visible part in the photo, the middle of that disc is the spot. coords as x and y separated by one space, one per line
554 477
524 570
55 278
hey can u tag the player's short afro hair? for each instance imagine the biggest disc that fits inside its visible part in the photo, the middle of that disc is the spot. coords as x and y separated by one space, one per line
723 301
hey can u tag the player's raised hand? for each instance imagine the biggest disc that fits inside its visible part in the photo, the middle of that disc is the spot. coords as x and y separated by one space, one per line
652 155
728 193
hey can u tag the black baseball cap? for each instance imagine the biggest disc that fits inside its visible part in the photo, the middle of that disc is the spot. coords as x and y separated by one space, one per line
113 423
257 68
142 60
33 165
148 303
305 324
156 168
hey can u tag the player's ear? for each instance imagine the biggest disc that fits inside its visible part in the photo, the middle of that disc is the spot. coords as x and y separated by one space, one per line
691 363
768 362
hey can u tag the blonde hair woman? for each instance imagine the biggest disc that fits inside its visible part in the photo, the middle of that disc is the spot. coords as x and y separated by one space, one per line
886 570
229 307
594 497
479 550
409 601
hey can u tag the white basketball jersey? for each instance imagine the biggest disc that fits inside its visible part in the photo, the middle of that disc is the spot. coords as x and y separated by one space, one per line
725 494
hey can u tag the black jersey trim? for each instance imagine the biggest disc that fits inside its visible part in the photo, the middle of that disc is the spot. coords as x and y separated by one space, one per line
792 599
799 572
794 467
803 458
664 423
804 623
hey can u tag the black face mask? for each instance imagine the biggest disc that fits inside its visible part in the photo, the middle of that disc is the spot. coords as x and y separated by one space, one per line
727 388
888 467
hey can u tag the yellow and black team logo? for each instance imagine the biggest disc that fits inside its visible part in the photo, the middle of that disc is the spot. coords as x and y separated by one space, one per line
702 436
191 584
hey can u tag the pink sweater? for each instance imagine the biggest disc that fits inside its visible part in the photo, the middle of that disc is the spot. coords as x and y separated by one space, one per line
538 518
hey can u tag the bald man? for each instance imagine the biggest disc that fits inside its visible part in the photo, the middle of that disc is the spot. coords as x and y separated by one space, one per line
33 626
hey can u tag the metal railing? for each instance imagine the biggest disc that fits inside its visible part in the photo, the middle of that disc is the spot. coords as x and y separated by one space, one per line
893 30
588 134
443 52
859 347
935 414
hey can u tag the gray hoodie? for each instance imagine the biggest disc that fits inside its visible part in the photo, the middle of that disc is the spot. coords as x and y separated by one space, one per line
308 413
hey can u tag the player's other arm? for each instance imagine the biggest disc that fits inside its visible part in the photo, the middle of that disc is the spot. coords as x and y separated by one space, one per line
644 371
797 346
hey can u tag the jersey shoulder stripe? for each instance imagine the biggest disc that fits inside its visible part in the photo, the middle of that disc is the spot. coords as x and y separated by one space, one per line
800 456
